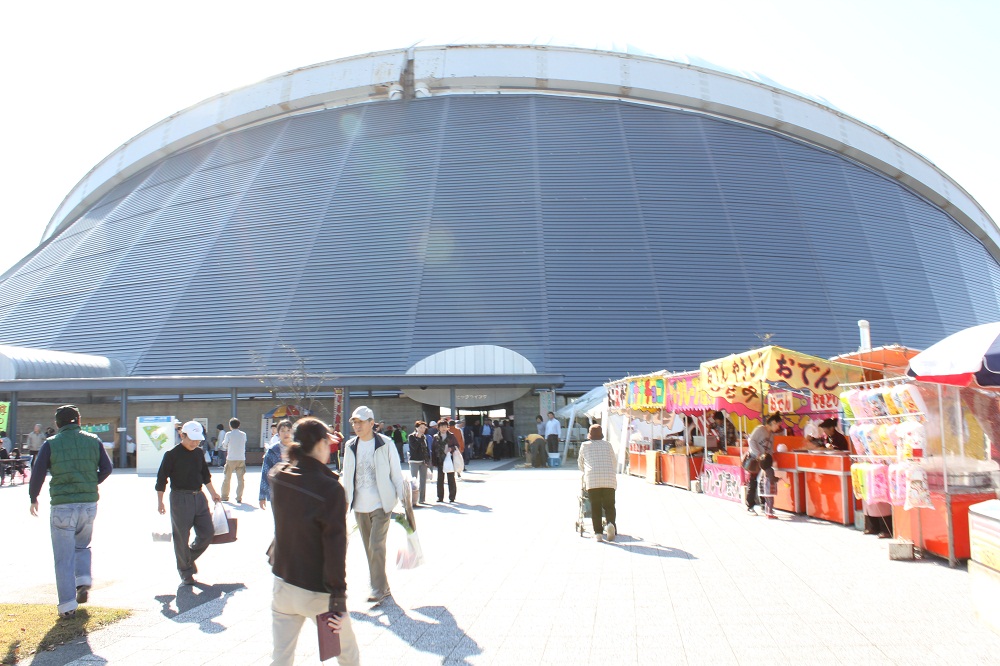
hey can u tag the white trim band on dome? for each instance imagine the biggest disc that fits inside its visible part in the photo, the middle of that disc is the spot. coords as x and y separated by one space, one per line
541 70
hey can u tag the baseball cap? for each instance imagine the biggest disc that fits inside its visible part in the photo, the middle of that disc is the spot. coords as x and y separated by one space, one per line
433 423
363 413
193 430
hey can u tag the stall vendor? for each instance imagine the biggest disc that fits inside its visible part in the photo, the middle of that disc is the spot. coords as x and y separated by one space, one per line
834 438
724 431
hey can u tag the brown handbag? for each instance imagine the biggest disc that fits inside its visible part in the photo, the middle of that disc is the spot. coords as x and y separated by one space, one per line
751 464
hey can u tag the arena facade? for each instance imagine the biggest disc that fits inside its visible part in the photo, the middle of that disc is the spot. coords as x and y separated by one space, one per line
471 225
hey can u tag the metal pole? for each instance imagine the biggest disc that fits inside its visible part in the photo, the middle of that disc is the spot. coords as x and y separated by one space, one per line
122 431
12 418
452 411
232 403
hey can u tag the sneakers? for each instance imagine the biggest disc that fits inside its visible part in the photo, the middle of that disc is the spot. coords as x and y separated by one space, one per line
610 532
772 516
68 615
82 593
598 537
752 511
187 580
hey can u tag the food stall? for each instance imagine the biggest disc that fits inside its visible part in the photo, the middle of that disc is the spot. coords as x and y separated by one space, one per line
720 474
639 401
801 387
659 450
928 450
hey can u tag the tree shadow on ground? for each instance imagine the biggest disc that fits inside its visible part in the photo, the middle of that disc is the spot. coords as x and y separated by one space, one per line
641 547
190 597
438 635
242 507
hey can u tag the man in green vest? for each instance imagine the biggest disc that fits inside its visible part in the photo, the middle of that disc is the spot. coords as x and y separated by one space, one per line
78 462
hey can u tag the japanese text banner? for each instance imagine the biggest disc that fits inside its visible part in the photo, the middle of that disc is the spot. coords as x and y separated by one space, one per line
772 365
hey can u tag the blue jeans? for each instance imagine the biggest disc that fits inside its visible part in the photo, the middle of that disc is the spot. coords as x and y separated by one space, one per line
71 525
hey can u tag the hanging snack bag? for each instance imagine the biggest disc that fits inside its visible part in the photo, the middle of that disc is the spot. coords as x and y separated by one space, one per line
857 439
858 405
846 405
877 484
891 405
918 495
884 442
875 402
858 480
897 484
909 398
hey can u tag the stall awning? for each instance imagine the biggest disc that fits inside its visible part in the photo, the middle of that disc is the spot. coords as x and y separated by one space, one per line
584 403
753 370
890 359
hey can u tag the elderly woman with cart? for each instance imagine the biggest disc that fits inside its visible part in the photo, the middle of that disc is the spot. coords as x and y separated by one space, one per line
597 462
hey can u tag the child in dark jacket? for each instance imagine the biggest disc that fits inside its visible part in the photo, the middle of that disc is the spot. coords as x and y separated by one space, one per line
767 484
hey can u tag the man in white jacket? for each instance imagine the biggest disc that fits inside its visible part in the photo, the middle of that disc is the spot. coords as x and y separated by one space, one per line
373 482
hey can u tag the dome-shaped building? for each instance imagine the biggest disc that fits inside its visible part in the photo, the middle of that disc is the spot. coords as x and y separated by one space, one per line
576 214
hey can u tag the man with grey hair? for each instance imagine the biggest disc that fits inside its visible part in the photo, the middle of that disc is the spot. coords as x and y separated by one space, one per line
373 482
35 439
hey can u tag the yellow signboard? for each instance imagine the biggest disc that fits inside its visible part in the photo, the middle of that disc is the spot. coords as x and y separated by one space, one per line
726 377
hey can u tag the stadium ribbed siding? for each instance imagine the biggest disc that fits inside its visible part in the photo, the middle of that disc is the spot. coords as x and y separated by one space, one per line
595 237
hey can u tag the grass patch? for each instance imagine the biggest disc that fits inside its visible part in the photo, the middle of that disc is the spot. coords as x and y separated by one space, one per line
29 628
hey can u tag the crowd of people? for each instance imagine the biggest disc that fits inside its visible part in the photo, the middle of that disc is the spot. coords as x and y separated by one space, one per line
308 500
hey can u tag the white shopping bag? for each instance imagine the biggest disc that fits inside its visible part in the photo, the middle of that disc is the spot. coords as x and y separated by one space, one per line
162 529
411 555
220 520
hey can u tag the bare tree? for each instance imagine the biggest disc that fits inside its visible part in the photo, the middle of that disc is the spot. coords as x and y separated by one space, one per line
297 386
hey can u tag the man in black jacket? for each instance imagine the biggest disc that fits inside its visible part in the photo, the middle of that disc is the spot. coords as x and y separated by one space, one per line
444 442
420 459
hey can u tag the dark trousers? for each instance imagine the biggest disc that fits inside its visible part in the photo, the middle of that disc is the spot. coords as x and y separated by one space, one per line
602 502
553 442
189 510
752 492
452 485
878 524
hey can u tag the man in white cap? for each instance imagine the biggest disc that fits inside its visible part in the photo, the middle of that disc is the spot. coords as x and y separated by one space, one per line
373 482
187 470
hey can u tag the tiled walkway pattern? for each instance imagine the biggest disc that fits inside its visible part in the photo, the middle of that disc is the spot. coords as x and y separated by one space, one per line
691 580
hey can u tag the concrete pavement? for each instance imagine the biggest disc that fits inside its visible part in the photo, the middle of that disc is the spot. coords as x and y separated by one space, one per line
691 580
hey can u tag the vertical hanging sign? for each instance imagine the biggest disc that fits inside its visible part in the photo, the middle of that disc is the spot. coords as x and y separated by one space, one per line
338 409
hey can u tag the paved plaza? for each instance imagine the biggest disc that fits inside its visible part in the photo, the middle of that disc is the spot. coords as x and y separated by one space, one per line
691 580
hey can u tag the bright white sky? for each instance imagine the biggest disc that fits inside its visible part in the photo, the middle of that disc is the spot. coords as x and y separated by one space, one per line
80 78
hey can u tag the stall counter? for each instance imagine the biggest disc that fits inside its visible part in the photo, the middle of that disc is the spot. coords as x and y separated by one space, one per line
928 528
790 497
680 470
637 459
826 481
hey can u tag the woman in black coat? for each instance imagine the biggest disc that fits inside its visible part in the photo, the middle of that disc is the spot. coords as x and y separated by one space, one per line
309 552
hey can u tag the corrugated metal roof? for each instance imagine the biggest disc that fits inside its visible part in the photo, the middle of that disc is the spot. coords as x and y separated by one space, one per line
594 238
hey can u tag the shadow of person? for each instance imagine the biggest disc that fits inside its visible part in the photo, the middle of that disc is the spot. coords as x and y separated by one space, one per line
59 652
640 547
473 507
181 607
439 634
